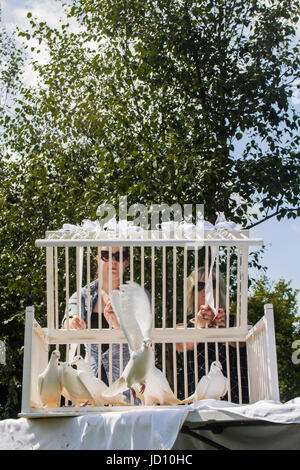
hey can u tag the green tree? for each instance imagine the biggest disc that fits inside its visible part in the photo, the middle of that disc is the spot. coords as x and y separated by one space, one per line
11 62
287 328
168 88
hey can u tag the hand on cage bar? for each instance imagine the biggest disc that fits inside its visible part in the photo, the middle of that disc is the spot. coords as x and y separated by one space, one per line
110 315
76 323
220 319
206 317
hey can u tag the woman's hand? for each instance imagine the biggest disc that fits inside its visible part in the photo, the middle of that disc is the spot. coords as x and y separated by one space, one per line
220 319
205 317
75 323
110 315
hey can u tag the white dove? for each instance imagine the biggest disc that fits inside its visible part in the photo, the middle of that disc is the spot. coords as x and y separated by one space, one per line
73 387
64 392
133 310
95 386
157 390
49 386
213 385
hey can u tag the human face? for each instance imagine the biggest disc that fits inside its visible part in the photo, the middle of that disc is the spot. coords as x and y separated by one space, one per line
115 263
201 290
115 255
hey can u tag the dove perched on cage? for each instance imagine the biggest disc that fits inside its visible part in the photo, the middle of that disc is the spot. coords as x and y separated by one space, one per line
213 385
95 386
49 385
133 310
157 390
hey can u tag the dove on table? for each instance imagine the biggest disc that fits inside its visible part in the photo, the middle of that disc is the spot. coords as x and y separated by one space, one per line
157 390
64 392
213 385
49 385
73 387
133 310
95 386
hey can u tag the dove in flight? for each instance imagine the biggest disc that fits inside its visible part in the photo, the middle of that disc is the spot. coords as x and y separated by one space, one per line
213 385
95 386
157 390
133 310
49 386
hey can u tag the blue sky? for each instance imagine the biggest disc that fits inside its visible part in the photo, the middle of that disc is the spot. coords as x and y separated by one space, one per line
282 256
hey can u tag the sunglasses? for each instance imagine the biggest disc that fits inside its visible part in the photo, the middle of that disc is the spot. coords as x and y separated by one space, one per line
201 285
116 255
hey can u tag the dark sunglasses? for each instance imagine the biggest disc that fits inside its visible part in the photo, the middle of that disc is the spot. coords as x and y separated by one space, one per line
201 285
116 255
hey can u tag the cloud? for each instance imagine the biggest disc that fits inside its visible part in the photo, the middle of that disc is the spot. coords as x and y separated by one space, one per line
14 14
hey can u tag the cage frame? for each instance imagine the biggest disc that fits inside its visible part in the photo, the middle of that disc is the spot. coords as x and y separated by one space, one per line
38 339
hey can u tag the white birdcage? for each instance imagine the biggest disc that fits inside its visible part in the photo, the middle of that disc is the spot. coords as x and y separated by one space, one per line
162 265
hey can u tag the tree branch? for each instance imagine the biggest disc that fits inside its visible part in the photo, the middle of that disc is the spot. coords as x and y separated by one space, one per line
270 216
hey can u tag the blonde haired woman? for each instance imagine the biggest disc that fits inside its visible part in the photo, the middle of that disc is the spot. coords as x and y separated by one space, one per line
205 315
206 318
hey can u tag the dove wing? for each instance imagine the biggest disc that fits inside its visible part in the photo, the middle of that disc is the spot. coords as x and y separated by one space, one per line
226 385
141 308
161 387
126 319
202 387
126 303
40 383
90 384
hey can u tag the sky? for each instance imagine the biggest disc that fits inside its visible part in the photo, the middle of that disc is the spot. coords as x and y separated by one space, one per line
282 255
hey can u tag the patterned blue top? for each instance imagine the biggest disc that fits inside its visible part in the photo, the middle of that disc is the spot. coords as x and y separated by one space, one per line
73 310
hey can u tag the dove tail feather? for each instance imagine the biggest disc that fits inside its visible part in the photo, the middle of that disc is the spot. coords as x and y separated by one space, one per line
170 399
119 403
117 387
188 399
173 401
119 400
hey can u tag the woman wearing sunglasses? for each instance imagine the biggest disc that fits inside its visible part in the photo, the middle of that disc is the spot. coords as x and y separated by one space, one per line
206 318
102 314
205 315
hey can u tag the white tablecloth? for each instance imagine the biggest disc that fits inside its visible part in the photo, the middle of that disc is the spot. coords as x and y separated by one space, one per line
143 428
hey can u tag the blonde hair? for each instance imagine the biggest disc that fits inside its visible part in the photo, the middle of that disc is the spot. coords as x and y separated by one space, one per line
191 294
